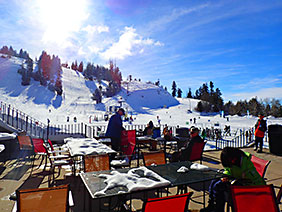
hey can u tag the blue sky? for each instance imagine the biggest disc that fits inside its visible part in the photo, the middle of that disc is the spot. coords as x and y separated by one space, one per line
236 44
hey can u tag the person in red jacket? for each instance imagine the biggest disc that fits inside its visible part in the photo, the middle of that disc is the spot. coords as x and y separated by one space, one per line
260 129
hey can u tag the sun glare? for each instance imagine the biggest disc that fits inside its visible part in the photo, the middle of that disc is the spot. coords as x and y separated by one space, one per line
61 18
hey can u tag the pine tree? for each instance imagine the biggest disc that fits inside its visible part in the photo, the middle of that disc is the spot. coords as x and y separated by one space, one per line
189 95
179 93
199 107
80 67
173 89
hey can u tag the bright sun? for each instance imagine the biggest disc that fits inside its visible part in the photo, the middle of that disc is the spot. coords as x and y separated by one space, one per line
59 18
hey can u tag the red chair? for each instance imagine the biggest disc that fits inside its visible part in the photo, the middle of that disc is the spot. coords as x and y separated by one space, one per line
260 165
176 203
40 150
128 143
197 151
254 198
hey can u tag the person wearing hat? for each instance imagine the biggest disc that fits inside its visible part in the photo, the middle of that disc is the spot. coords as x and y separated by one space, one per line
260 129
114 129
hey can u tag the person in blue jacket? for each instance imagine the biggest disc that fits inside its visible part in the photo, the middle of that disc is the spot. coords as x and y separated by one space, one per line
114 129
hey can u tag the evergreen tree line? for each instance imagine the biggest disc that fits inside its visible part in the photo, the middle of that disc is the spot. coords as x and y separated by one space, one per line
175 91
111 74
254 107
211 101
48 73
11 52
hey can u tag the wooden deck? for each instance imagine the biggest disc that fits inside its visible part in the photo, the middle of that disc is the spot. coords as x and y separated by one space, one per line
15 174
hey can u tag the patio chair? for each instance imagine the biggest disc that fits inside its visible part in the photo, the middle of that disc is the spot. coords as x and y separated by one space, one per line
157 158
253 198
40 150
56 161
95 163
57 199
176 203
260 165
128 144
197 152
156 132
26 148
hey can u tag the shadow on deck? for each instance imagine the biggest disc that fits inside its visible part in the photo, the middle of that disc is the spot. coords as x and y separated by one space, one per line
15 174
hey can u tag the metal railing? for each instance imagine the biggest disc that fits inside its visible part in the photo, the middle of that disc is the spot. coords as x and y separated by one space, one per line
21 121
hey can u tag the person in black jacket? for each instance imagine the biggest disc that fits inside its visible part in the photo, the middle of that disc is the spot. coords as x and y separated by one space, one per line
184 153
260 129
195 138
114 129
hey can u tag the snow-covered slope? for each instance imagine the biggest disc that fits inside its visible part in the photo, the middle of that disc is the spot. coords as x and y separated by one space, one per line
144 101
41 103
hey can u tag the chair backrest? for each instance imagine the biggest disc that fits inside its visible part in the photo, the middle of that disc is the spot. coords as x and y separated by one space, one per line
176 203
197 151
254 198
182 132
96 163
43 199
38 145
156 132
25 142
128 142
156 158
260 164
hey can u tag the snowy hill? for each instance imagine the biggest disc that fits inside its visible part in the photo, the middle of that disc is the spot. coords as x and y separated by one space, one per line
41 103
144 101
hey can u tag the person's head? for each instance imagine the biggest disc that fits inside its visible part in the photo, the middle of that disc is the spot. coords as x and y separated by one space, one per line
121 111
194 131
231 156
261 116
150 124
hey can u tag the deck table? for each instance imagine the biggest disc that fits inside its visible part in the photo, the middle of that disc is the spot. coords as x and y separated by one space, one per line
94 183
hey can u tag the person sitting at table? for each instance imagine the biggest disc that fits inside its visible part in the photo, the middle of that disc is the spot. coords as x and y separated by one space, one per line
239 169
184 153
167 134
114 129
149 129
